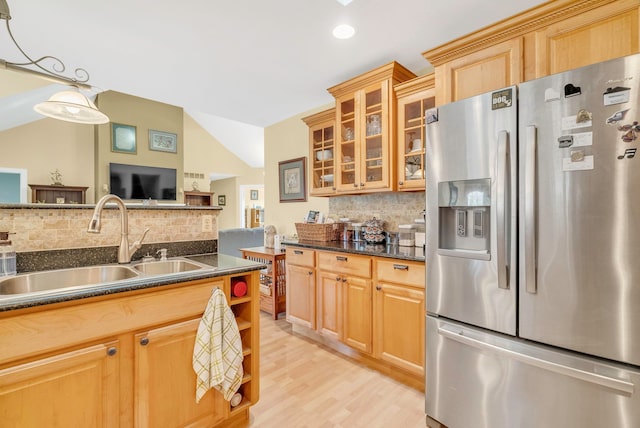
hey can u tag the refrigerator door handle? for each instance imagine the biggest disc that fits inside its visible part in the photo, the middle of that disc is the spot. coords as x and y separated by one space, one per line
501 208
457 334
529 236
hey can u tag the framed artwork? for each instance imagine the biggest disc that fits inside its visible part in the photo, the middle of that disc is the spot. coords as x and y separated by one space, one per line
123 138
292 179
312 217
254 195
163 141
222 200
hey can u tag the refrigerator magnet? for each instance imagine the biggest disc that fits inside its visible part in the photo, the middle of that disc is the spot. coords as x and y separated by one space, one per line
431 115
617 95
551 94
617 117
581 163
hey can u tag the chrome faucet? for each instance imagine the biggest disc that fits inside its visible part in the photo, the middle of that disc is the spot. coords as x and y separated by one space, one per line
125 251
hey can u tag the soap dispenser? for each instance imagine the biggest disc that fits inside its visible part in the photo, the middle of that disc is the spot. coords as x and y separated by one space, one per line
7 256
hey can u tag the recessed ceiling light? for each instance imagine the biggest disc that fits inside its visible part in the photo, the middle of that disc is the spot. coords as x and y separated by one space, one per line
344 2
344 31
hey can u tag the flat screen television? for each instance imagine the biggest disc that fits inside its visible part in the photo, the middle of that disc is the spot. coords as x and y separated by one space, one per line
142 182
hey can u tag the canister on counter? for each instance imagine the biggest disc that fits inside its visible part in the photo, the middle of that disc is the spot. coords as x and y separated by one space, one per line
406 235
357 232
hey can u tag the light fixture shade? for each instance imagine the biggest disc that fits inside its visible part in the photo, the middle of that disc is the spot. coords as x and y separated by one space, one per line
344 31
71 106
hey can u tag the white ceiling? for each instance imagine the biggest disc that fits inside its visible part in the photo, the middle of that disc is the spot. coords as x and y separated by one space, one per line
229 63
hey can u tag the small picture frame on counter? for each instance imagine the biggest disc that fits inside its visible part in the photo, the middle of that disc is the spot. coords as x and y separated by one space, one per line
312 217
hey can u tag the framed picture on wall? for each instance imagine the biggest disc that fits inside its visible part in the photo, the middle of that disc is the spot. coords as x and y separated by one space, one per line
123 138
222 200
163 141
292 179
254 195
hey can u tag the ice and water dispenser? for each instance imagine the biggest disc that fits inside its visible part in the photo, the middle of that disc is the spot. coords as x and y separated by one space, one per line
465 213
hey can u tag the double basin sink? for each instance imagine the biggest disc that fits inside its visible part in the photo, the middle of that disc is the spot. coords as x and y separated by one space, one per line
50 281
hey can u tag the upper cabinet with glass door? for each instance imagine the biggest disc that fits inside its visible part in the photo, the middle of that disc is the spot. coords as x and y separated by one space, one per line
322 152
414 98
365 130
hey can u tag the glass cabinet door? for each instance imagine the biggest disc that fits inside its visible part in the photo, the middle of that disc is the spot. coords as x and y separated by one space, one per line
411 141
348 169
372 153
323 159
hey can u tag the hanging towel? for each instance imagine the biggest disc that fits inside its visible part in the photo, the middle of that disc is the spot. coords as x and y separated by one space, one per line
217 354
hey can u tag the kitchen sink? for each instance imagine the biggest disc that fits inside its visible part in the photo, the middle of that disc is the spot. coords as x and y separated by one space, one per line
165 267
63 278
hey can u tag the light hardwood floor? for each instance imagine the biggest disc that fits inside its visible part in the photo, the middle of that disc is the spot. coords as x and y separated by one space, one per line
306 385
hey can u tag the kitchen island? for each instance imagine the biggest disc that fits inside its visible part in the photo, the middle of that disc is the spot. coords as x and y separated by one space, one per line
119 353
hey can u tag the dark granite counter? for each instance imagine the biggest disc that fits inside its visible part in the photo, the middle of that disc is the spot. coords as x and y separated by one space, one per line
379 250
220 265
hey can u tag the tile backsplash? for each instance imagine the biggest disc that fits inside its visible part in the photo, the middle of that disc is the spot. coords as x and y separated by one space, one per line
42 228
393 208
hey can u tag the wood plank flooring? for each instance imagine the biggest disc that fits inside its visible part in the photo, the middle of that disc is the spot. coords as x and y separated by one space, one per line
306 385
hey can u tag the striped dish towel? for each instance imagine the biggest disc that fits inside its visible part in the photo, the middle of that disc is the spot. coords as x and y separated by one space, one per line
217 354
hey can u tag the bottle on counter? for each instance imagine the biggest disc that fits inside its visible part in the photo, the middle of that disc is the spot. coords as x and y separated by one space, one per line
7 256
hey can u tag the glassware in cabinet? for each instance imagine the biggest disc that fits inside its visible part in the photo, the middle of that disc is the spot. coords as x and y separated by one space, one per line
366 104
415 97
322 152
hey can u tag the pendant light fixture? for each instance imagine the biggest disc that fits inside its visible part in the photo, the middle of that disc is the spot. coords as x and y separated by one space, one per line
69 105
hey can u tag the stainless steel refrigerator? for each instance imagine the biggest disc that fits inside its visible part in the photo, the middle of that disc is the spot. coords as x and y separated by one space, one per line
533 253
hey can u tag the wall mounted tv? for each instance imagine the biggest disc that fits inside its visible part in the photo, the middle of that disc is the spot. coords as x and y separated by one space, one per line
142 182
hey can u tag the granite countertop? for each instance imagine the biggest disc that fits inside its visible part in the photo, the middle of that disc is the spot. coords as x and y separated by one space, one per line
378 250
220 265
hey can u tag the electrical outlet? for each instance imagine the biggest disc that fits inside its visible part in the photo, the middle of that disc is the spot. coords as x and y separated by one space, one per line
207 223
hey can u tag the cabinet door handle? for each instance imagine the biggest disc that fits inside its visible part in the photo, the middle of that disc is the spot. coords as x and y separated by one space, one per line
144 341
401 182
400 267
112 351
378 287
299 252
338 278
344 279
355 184
310 272
341 258
361 184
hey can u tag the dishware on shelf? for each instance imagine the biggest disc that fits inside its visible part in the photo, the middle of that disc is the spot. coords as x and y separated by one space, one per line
324 154
374 126
327 177
348 134
416 145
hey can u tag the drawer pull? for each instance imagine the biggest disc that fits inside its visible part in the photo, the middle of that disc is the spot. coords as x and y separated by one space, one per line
341 258
144 341
299 252
112 351
400 267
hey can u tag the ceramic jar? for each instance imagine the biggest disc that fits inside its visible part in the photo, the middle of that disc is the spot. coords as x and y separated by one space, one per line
374 231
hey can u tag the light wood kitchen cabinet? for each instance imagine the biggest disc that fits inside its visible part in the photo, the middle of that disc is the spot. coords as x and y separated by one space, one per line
121 360
399 314
301 287
329 304
53 388
414 98
344 298
365 127
163 372
321 152
550 38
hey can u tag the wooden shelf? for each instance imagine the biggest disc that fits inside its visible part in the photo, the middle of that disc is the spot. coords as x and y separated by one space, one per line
198 199
58 194
273 278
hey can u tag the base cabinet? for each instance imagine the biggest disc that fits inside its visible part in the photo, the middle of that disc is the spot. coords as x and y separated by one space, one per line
163 372
399 314
374 305
301 287
121 360
36 393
